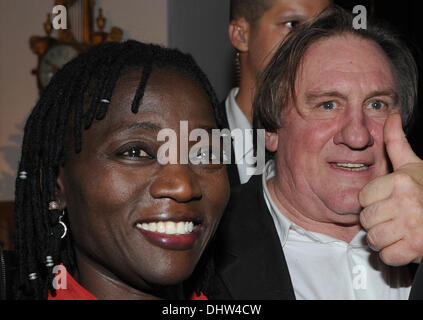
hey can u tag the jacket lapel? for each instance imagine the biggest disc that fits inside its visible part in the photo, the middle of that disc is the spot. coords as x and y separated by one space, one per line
252 264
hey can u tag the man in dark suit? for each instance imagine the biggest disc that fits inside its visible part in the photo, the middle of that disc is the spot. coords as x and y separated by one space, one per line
256 29
338 212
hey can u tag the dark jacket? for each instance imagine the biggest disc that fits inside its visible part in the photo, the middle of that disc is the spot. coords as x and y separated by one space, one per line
250 263
249 259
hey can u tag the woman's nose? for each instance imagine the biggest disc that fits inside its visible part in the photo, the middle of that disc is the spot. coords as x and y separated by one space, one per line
178 182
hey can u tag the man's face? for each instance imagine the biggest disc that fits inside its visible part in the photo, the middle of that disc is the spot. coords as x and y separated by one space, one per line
267 33
331 143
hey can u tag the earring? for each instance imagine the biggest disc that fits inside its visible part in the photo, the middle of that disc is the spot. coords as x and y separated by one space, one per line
63 225
53 205
241 34
59 229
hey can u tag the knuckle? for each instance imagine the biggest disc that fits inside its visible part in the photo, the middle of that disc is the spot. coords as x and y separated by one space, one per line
372 239
363 219
416 244
387 257
362 197
403 179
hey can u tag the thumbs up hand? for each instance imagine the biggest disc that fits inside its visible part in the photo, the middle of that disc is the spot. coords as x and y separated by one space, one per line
393 204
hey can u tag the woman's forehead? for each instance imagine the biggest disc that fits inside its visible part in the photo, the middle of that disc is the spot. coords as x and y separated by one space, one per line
169 97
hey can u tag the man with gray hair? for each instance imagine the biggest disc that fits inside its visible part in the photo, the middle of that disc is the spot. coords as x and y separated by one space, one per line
338 212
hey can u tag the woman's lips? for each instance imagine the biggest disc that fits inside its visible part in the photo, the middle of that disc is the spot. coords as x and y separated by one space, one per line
169 234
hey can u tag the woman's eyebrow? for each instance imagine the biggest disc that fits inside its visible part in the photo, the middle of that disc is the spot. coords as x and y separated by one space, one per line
138 125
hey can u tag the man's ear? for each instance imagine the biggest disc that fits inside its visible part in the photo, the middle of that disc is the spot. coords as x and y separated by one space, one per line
239 31
60 189
272 139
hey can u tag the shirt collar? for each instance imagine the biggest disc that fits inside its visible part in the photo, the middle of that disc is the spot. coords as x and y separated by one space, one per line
236 118
284 225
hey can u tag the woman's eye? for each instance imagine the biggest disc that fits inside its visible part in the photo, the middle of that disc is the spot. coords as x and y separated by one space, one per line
291 24
329 105
135 152
376 104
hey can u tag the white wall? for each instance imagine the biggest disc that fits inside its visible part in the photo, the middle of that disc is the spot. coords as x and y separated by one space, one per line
143 20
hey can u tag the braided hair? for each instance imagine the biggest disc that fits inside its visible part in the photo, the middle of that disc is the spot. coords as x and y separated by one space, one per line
89 81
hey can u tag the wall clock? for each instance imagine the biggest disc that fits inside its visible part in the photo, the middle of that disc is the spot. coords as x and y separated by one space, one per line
54 52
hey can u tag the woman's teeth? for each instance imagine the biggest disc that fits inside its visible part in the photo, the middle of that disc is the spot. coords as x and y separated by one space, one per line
351 166
168 227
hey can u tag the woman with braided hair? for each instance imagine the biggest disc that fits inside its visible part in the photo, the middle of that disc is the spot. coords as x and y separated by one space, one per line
92 199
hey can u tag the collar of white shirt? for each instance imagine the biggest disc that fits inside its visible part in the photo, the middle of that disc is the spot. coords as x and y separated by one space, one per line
243 149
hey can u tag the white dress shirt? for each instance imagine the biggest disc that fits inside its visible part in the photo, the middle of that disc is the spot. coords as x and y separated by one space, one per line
323 267
243 149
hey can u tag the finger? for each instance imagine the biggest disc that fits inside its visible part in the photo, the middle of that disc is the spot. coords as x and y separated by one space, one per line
377 213
399 150
376 190
397 254
383 235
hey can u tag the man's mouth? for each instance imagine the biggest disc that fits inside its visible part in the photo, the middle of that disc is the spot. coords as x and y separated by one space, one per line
351 166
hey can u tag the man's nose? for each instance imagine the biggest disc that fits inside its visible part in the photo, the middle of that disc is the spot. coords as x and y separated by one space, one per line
178 182
355 132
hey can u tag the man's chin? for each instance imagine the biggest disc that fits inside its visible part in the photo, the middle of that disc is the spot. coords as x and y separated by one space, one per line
347 212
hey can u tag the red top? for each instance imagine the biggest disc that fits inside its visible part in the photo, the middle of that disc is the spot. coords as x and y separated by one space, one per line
200 297
74 291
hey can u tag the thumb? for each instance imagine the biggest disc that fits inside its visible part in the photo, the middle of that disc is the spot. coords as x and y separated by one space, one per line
397 146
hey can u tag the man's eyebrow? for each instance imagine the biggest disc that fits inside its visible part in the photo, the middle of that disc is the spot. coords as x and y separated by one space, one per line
313 95
293 16
387 93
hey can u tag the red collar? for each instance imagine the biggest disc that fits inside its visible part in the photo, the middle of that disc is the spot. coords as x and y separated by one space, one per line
74 291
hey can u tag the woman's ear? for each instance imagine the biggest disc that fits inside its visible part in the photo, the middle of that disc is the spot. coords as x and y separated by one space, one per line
271 141
60 189
239 31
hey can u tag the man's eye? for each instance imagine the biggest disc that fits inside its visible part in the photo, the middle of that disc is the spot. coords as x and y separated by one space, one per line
205 155
376 104
329 105
292 24
135 152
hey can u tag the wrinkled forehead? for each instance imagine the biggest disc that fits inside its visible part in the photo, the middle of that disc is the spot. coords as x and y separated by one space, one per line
342 59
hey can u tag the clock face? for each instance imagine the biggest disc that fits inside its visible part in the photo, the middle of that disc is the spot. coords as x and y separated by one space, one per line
53 59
